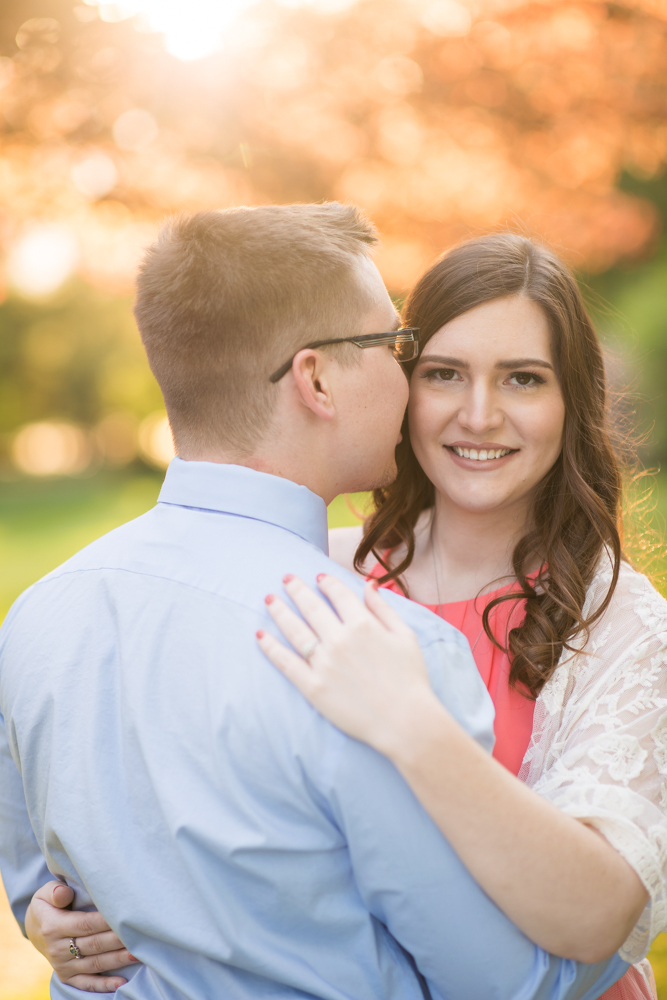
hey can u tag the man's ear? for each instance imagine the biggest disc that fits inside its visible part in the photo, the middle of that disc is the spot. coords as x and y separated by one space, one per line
312 373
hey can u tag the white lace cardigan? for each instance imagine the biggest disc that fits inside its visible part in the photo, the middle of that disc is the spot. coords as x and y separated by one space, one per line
599 744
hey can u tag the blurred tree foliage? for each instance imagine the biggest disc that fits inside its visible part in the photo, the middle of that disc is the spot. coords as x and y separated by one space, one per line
630 305
443 118
440 117
74 359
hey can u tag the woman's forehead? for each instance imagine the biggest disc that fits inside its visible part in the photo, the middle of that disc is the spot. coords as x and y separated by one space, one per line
515 324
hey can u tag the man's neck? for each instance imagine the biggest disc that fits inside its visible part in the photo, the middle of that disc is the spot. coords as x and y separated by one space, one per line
273 462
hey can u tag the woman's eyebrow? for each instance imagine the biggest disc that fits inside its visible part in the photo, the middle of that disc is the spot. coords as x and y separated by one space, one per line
523 363
500 365
450 362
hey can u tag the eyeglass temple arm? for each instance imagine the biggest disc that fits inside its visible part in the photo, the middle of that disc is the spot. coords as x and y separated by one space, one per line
277 375
283 370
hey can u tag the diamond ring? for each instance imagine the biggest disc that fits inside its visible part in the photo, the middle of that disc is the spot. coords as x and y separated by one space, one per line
74 949
309 648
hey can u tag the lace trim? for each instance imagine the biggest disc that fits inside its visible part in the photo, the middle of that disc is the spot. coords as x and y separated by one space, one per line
599 744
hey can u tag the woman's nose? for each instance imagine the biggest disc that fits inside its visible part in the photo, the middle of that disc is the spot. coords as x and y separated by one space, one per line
480 411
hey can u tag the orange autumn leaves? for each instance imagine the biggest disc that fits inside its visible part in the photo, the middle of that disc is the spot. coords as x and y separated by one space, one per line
441 118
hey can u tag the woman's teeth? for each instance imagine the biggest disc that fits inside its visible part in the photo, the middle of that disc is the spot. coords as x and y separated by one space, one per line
483 455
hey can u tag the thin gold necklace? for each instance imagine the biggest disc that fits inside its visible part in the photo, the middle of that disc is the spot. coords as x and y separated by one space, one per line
437 583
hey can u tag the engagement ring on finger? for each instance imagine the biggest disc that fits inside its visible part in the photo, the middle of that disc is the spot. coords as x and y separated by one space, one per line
74 949
310 647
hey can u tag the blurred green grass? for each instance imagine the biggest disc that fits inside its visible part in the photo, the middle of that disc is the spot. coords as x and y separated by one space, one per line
658 958
42 523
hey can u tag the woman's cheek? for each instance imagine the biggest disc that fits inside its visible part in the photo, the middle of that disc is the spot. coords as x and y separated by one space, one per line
427 418
544 434
552 425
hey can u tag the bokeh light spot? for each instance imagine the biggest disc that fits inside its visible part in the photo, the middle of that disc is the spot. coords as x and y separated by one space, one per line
134 129
447 18
399 75
95 176
51 449
37 31
42 259
113 12
156 443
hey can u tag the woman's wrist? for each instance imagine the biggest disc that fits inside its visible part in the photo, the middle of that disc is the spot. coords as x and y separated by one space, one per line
423 722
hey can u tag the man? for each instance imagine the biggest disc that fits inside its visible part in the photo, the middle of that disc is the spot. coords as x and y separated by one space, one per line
238 844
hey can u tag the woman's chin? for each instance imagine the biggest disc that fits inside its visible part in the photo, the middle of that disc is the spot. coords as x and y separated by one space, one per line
478 501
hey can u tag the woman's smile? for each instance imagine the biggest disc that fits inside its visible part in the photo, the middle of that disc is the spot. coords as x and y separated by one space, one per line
480 457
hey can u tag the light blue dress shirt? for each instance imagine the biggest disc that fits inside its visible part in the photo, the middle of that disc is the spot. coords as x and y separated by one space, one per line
240 845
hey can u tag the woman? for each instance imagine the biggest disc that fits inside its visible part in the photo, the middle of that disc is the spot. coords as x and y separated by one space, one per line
504 520
508 488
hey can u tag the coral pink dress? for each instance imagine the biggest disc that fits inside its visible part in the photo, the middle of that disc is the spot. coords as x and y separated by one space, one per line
514 716
514 713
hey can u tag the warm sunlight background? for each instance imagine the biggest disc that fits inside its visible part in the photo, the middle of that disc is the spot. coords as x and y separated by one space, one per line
442 118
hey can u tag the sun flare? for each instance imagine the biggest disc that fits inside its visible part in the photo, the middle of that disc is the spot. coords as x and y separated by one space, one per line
192 29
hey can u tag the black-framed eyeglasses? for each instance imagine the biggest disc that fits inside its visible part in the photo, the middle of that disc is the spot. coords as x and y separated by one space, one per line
404 346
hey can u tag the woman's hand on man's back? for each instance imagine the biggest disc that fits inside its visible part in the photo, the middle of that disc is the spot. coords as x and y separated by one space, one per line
51 928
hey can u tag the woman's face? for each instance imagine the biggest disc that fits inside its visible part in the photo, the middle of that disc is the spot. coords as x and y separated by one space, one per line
486 409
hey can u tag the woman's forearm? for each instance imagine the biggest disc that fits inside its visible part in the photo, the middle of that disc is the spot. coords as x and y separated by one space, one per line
557 879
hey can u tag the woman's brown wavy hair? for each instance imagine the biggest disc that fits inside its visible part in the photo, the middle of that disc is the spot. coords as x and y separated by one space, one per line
576 511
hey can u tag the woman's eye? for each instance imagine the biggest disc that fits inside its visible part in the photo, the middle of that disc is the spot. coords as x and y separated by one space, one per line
441 374
525 378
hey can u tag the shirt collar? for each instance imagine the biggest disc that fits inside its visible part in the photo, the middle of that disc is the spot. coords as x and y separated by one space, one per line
235 489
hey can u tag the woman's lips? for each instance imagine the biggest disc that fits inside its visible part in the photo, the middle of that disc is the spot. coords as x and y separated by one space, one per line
480 458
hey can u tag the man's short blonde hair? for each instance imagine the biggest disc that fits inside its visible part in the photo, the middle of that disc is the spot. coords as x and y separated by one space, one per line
224 298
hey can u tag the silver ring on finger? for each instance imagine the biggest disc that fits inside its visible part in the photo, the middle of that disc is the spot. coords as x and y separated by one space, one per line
309 648
74 949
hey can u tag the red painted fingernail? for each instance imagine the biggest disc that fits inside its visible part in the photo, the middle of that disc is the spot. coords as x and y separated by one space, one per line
133 959
320 577
260 633
288 577
269 599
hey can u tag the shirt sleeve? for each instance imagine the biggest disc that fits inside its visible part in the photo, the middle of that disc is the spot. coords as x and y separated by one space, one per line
22 864
413 883
599 746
